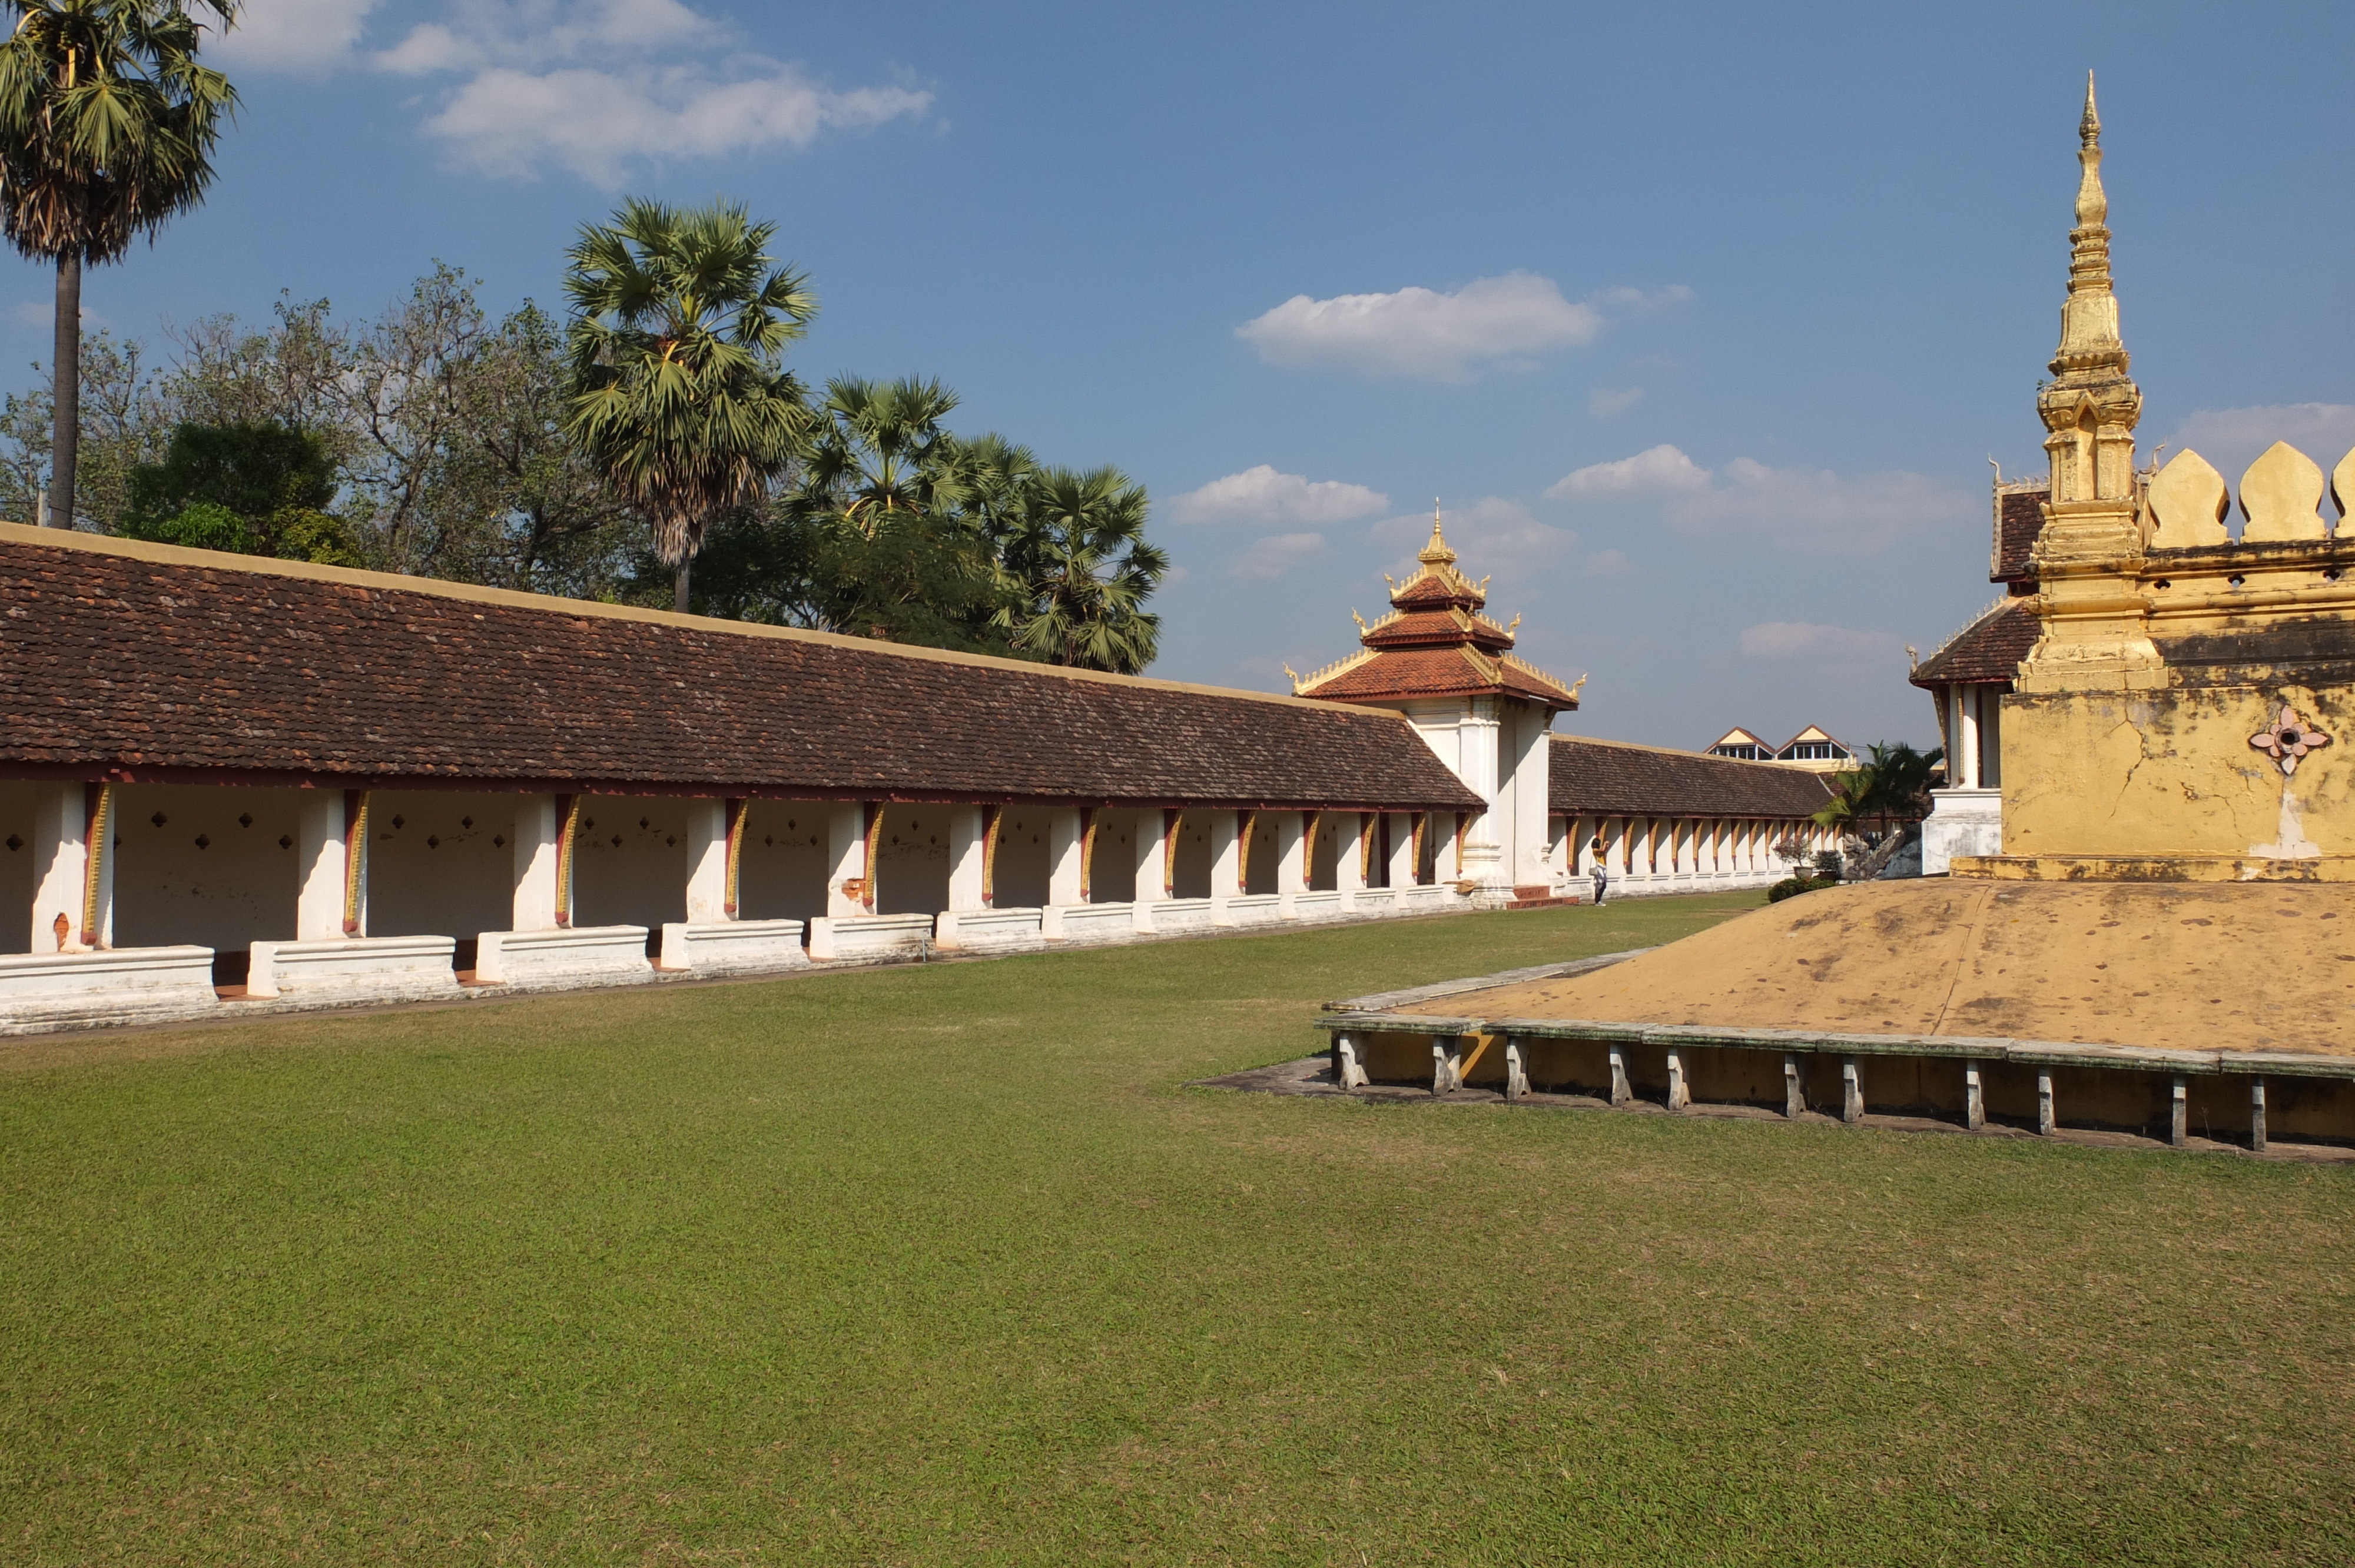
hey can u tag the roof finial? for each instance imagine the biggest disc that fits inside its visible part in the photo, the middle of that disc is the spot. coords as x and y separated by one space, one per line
2092 202
2089 320
1436 553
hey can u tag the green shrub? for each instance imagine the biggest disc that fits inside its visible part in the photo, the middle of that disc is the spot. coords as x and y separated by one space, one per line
1792 886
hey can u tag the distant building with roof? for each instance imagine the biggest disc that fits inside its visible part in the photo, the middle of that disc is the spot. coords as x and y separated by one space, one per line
1814 748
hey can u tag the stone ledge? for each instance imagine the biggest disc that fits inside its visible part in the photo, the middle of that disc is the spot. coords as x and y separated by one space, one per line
563 957
714 948
353 968
2152 868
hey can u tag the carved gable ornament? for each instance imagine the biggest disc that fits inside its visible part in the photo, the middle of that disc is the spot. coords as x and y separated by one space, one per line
2288 738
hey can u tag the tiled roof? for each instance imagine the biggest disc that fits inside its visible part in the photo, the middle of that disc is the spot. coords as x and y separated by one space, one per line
1435 643
146 662
2019 519
1989 648
1607 777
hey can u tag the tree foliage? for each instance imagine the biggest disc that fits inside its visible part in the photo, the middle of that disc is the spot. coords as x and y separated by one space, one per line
1892 785
107 126
680 323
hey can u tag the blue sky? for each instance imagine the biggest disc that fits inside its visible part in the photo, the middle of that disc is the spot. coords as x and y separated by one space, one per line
1301 269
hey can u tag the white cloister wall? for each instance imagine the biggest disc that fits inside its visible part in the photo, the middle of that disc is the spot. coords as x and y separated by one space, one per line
16 808
782 874
218 870
440 865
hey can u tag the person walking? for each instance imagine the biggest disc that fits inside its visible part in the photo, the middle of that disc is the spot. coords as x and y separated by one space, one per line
1602 877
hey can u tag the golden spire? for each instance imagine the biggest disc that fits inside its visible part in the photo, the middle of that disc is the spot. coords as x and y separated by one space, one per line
2089 320
1436 553
2091 406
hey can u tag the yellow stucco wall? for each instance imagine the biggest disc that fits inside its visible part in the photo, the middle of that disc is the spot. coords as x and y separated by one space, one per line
2171 773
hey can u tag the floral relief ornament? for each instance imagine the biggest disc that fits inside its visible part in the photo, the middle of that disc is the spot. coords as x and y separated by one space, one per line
2288 738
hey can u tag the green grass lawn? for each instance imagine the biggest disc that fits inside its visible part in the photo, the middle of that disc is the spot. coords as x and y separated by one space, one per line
947 1264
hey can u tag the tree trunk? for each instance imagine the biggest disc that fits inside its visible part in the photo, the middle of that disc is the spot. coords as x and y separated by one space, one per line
65 368
678 593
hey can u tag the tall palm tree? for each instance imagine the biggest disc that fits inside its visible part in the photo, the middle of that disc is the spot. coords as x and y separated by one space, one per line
680 322
888 503
1892 783
107 128
1085 570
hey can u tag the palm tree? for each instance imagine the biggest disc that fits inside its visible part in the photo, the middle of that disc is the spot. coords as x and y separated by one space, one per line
1893 782
680 324
1085 570
895 510
107 127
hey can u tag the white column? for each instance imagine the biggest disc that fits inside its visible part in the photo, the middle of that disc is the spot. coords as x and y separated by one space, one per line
1480 742
1532 864
61 874
1063 856
1154 849
1292 851
1401 864
1349 831
535 864
847 868
707 861
1966 738
1226 860
966 825
320 850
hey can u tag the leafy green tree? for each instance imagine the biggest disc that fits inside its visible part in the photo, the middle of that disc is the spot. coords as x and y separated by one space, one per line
1079 558
107 128
893 547
258 489
679 393
1892 784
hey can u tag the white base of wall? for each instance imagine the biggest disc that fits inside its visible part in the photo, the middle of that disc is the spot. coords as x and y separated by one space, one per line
1253 910
710 948
45 992
1666 883
1094 925
868 938
41 991
988 930
564 957
1326 905
1961 822
353 969
1178 917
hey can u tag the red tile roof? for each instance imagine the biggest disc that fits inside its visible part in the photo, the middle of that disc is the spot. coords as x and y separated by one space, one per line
1610 777
2019 519
1988 650
1436 644
145 662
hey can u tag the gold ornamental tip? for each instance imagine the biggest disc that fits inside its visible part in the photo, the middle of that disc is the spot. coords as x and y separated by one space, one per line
2092 202
1436 553
2089 129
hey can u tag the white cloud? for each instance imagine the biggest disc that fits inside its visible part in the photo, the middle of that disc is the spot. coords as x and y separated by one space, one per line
1654 470
305 37
507 122
1420 332
1817 643
1609 564
1604 402
1800 508
1262 495
1275 555
592 86
2232 439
